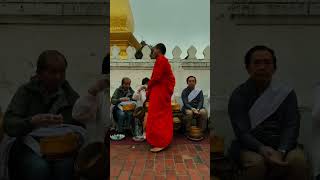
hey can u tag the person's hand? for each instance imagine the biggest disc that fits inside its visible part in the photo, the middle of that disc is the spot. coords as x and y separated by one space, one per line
99 86
124 99
272 156
143 87
44 120
194 110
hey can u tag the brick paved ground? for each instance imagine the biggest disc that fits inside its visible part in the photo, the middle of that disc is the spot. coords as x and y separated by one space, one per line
180 161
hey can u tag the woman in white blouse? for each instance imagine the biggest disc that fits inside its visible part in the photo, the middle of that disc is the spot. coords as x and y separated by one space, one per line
140 96
92 109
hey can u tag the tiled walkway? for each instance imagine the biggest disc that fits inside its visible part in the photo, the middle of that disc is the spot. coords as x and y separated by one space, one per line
185 160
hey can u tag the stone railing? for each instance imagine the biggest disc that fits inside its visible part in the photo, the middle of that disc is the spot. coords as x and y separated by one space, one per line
146 62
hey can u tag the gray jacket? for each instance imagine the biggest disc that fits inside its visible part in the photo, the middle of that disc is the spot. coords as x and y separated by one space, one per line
280 130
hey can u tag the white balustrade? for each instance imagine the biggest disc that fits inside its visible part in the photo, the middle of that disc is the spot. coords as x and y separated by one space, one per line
146 51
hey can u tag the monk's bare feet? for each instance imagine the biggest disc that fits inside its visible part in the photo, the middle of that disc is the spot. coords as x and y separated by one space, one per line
156 149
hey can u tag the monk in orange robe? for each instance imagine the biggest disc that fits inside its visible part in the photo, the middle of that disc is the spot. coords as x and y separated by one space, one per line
159 128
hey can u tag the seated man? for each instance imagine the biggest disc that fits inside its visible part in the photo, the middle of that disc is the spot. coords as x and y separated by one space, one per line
120 98
192 98
40 109
140 97
265 119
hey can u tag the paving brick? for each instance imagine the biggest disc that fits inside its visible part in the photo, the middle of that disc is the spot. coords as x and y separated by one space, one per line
195 177
189 164
175 152
138 169
129 165
206 178
178 159
124 175
193 151
198 147
118 162
168 155
185 156
203 169
183 178
148 177
151 155
192 172
135 177
170 172
160 156
169 163
148 174
149 164
171 177
160 167
160 178
140 162
197 160
182 147
180 168
115 170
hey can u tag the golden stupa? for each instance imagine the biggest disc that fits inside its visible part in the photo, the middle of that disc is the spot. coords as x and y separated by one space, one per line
122 26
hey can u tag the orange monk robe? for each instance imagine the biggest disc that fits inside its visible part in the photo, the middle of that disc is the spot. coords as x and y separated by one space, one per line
159 128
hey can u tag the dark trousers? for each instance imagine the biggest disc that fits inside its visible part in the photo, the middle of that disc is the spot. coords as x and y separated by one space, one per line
124 120
24 164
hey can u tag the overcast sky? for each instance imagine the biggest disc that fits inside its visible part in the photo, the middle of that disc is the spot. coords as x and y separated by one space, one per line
173 22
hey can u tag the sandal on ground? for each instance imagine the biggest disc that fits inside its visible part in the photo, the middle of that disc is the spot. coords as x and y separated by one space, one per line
156 149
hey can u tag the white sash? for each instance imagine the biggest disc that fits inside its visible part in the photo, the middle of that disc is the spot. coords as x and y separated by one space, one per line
193 94
268 103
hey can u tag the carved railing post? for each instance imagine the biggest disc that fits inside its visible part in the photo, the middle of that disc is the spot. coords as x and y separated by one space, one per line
131 51
192 51
176 52
115 51
206 53
146 51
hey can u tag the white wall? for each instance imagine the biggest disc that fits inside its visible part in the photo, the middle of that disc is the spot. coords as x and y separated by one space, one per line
83 45
136 76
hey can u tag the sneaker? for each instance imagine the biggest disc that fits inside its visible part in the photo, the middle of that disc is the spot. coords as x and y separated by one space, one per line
117 137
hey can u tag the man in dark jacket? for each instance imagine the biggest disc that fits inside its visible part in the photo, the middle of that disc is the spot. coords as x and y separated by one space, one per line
123 118
192 98
45 101
265 119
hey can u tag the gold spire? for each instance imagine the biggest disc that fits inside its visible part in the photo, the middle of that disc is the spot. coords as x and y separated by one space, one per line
122 26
